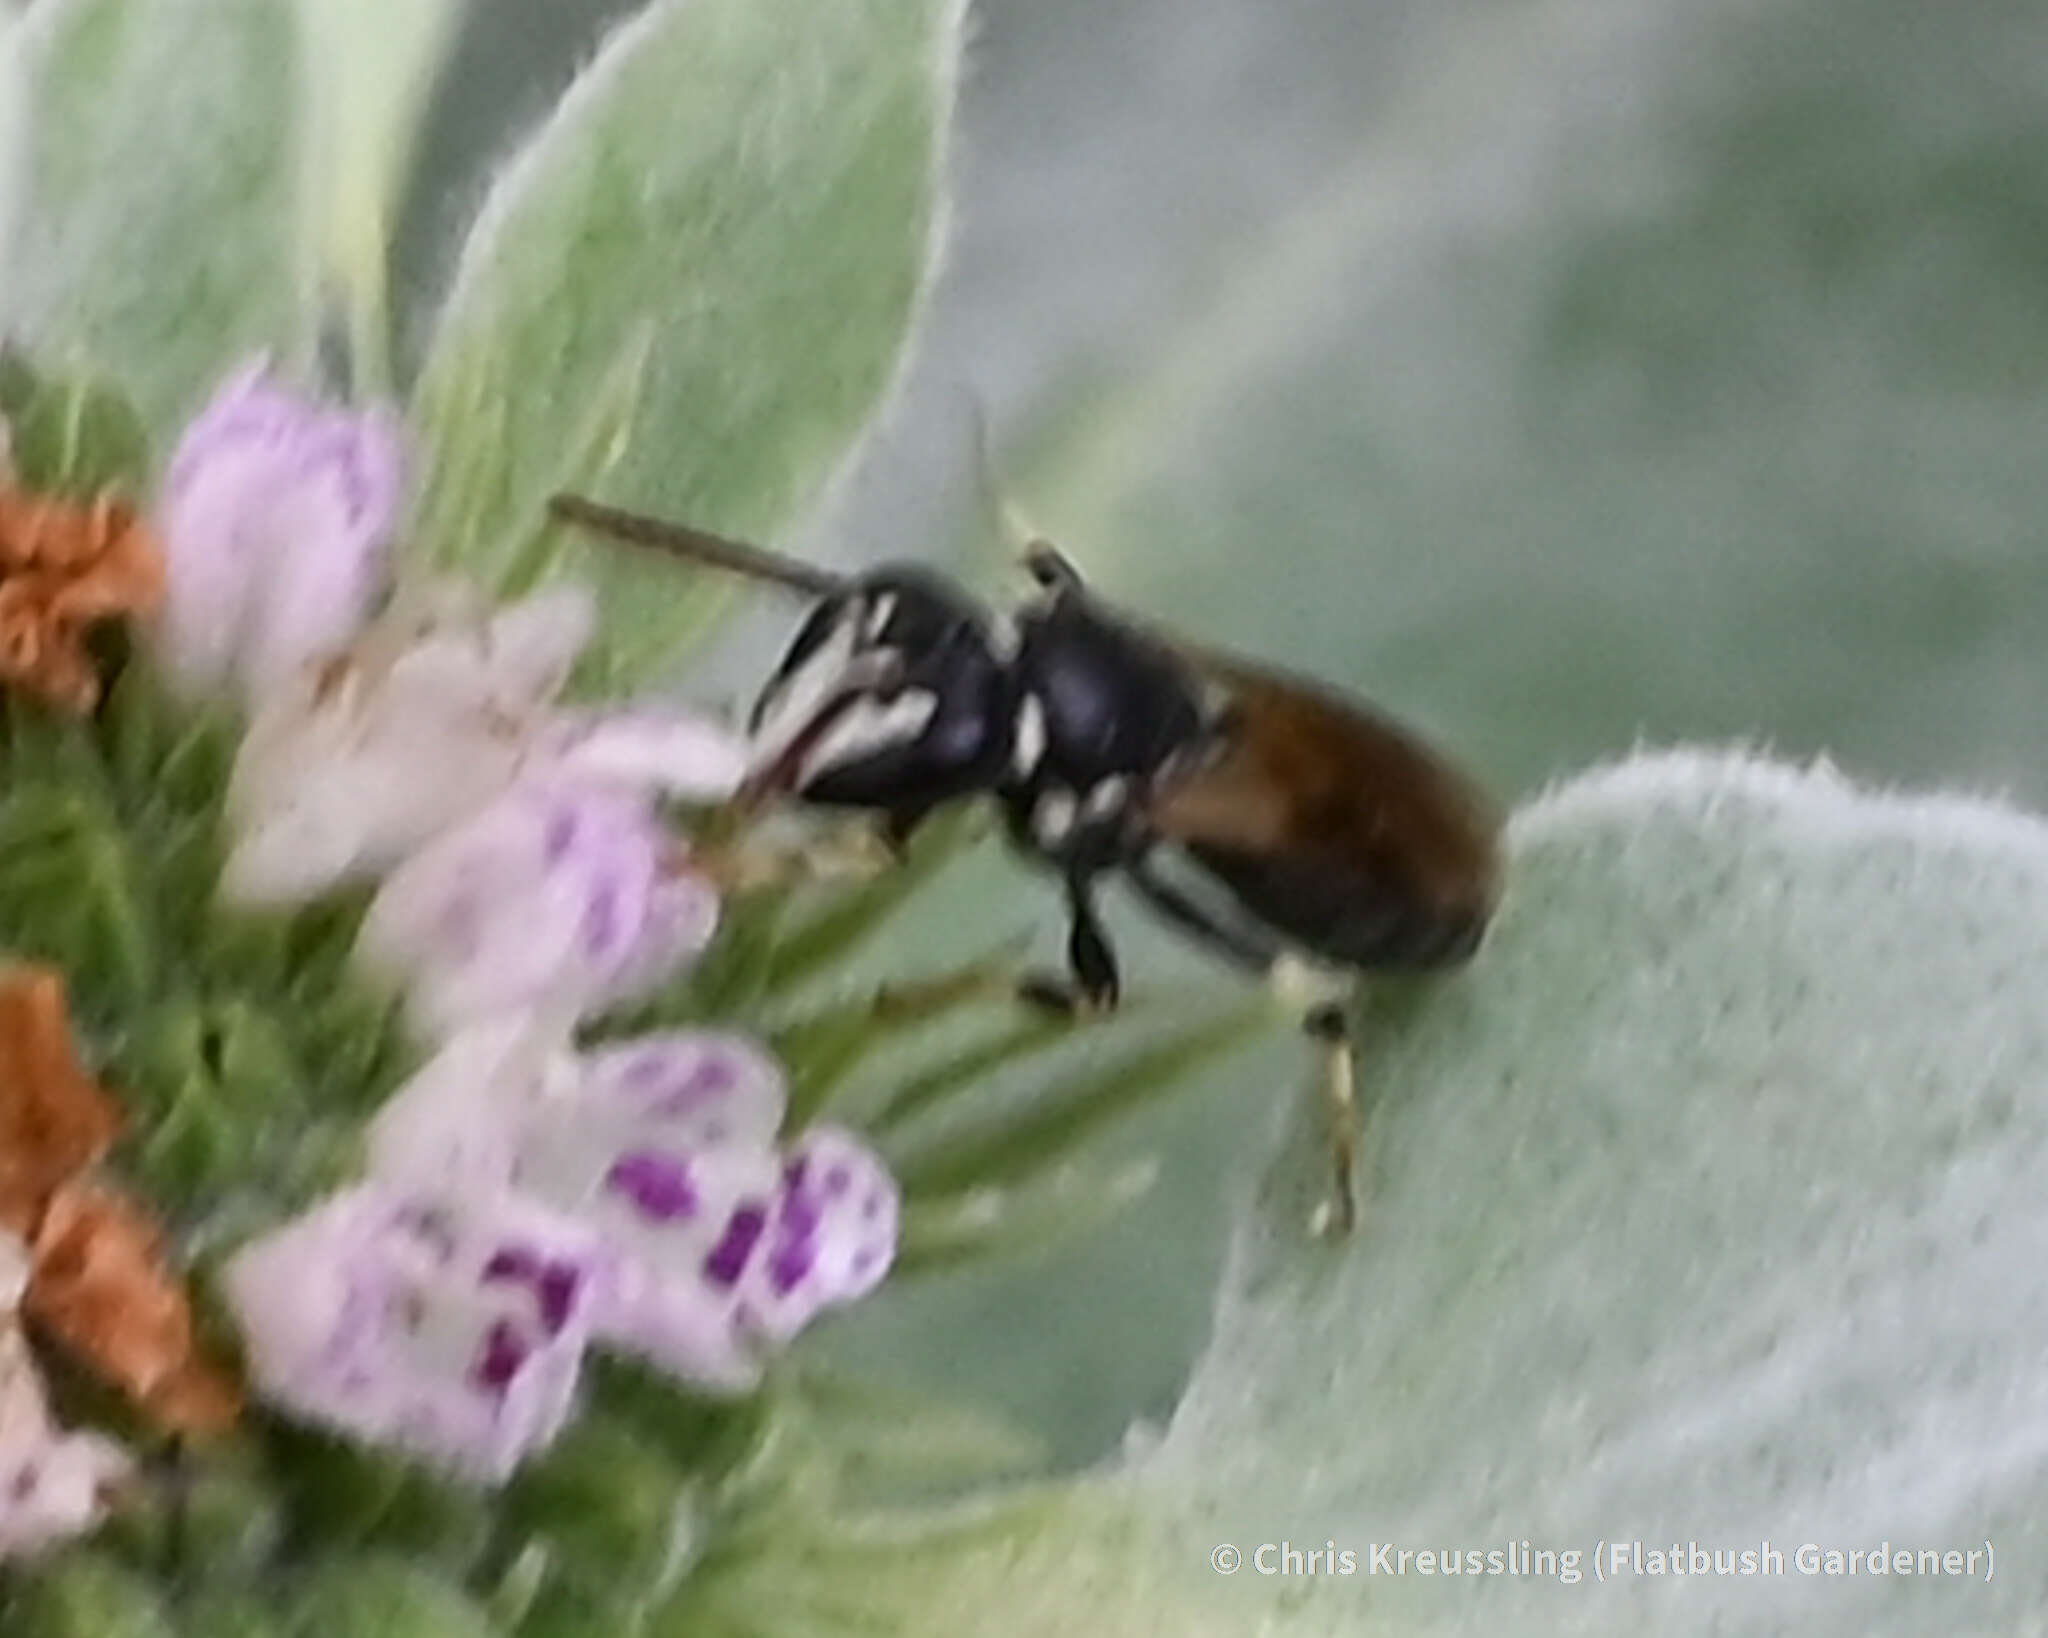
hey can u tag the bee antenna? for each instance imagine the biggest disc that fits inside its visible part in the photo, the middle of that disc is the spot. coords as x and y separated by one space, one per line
1041 559
696 545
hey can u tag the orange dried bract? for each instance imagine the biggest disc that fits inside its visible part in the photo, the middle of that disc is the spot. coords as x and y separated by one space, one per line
99 1283
100 1289
54 1120
65 567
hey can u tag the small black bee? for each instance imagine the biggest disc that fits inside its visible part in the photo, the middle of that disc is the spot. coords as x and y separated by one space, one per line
1260 813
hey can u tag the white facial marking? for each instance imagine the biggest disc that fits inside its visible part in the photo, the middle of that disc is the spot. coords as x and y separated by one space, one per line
1003 637
1030 741
796 701
1053 818
1107 797
878 617
868 726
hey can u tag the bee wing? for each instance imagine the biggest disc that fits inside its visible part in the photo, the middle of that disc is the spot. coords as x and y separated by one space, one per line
1330 820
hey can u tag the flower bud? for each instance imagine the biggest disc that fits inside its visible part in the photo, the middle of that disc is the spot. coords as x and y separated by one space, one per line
275 518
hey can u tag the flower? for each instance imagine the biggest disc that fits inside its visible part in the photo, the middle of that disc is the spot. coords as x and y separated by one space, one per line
55 1121
452 1327
555 897
721 1249
275 516
436 710
100 1288
98 1280
64 568
53 1485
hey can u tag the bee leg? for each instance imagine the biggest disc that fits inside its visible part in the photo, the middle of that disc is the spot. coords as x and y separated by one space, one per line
1239 946
1327 1026
852 852
1094 986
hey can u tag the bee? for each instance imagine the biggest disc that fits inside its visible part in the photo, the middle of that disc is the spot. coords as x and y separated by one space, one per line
1264 815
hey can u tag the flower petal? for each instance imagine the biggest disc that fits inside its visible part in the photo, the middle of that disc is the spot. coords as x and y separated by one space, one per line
679 754
687 1229
553 898
53 1485
674 1096
456 1125
347 770
833 1235
275 517
455 1330
337 511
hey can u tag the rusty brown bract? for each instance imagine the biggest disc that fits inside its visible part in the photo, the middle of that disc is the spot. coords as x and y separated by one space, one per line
65 567
99 1285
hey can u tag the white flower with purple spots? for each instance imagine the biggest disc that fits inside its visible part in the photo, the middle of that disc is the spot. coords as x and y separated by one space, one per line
275 517
833 1234
556 899
434 712
53 1485
455 1329
721 1247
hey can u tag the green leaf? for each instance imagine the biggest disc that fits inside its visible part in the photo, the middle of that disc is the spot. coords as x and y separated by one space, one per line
14 129
837 929
930 1089
1043 1562
84 1594
368 67
1704 1207
155 235
76 436
386 1597
1050 1125
977 1223
821 1047
754 184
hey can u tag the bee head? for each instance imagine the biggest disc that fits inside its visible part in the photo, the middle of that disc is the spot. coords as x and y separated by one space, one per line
893 696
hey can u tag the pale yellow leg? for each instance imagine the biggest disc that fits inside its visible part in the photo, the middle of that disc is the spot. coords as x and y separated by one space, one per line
1337 1216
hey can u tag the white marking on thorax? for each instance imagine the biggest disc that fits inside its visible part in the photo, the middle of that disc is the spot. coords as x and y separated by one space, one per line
1052 820
868 726
1004 639
1030 741
878 617
1107 798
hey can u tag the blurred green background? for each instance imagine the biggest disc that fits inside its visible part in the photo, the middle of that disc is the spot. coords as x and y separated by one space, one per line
1566 376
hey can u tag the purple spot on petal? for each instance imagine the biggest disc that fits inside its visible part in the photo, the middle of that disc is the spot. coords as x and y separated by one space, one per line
648 1070
799 1216
793 1260
725 1261
513 1263
557 1288
709 1076
864 1261
601 918
561 834
793 1173
838 1180
504 1353
658 1184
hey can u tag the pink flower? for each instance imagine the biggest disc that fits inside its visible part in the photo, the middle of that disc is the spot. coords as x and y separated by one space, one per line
53 1484
455 1329
275 518
431 715
721 1247
558 898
